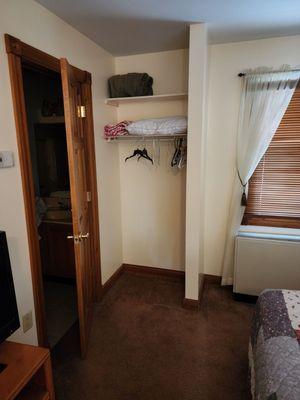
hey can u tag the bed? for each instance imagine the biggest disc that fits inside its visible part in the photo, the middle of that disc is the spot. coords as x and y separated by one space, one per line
274 351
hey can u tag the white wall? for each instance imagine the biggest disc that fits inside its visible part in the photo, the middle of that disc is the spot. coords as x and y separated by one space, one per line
226 61
153 197
197 129
36 26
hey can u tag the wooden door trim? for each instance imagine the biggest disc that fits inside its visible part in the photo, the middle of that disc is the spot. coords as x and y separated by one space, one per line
15 70
18 53
37 57
95 229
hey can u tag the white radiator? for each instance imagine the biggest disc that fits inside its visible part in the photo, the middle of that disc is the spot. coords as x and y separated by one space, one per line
266 262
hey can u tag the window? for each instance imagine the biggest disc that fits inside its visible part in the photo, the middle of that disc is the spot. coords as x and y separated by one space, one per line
274 189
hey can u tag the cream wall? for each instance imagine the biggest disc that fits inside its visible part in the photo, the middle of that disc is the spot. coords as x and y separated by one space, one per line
226 61
195 188
153 197
36 26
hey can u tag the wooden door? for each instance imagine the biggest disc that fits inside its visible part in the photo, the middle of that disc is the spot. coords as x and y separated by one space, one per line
76 143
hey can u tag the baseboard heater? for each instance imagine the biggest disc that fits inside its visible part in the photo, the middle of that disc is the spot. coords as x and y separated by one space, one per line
266 261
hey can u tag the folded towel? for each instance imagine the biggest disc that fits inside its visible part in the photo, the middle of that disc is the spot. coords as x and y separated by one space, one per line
130 85
116 130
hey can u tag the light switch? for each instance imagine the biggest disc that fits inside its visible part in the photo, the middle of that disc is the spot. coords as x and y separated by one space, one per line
6 159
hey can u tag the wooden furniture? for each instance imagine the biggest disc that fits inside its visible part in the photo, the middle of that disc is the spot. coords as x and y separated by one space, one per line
28 373
57 252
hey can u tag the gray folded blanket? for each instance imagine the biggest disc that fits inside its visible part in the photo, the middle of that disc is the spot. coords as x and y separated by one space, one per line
130 85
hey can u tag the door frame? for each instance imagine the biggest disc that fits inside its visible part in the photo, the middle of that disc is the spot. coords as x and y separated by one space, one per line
18 54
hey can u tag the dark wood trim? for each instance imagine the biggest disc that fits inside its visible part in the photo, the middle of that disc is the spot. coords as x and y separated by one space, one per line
142 269
273 221
16 79
37 57
19 54
212 279
30 55
204 281
112 280
92 182
137 269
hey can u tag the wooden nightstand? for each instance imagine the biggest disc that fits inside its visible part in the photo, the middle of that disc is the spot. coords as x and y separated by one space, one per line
27 373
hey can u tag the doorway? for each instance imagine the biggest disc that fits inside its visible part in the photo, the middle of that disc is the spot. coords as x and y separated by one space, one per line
50 171
57 161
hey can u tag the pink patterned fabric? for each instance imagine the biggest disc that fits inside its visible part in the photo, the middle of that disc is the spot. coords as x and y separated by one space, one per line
116 130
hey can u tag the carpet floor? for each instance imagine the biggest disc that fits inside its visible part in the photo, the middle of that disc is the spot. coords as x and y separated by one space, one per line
145 346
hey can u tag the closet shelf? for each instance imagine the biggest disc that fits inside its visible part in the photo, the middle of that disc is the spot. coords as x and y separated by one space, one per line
51 120
116 101
147 137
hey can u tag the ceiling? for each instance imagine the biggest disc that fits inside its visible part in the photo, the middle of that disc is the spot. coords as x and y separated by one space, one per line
142 26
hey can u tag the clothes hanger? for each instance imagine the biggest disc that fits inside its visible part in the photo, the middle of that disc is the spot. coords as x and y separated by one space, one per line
137 152
145 155
141 153
177 153
183 155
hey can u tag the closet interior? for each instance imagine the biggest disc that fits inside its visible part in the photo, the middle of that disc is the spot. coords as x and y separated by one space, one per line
50 173
151 135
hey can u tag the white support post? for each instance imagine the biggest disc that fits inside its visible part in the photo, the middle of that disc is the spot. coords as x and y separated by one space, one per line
195 201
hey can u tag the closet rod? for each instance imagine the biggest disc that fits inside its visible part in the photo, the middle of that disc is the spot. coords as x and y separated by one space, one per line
241 74
147 137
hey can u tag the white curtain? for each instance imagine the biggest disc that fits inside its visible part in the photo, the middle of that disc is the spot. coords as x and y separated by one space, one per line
265 98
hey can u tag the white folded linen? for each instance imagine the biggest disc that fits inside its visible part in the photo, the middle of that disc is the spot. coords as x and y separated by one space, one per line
158 126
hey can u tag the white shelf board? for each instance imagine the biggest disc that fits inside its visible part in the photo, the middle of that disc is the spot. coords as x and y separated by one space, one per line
116 101
147 137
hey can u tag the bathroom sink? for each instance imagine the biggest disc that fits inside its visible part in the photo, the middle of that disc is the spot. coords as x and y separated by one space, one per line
58 214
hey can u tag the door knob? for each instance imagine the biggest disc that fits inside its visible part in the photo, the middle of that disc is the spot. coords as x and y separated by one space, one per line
76 238
84 236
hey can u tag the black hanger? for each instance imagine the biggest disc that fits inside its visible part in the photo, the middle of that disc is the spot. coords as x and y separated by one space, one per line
141 153
145 155
137 152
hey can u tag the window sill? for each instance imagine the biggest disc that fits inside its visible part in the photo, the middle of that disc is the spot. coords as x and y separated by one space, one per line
269 232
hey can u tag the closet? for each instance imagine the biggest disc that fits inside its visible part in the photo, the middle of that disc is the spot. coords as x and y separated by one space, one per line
153 195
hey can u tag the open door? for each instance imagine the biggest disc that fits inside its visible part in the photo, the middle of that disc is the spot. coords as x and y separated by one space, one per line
76 126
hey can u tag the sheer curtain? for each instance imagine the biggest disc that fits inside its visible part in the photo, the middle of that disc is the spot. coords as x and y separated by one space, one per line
265 98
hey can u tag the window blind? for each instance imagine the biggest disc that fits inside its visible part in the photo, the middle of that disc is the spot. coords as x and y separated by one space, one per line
274 188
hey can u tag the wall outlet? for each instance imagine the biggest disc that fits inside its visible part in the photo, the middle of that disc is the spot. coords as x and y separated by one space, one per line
27 321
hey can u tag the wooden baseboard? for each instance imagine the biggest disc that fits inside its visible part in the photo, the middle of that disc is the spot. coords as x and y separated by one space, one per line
153 270
204 280
111 281
212 279
190 304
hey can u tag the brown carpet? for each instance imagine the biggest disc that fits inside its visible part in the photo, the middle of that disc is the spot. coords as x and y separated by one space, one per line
145 346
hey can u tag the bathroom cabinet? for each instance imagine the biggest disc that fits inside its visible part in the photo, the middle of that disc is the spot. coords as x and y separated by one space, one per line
57 252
